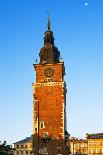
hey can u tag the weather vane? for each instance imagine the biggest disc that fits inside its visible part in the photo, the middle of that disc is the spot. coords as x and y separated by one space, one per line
48 12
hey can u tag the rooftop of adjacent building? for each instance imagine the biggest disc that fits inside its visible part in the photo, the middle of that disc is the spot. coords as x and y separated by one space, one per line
78 140
94 136
26 140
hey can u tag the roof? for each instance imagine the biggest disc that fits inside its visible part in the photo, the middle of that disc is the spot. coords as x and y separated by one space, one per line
66 133
27 139
78 140
95 136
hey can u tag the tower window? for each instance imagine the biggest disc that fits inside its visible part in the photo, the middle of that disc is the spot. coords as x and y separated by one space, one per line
41 125
44 150
49 80
48 40
40 151
35 129
59 150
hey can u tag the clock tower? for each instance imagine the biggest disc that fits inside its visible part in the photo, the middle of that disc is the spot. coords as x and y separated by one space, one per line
49 101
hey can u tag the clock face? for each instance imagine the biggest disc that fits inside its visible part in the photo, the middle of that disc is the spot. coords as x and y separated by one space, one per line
49 71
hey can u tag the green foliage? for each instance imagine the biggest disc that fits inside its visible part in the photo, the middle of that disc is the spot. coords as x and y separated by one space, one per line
5 149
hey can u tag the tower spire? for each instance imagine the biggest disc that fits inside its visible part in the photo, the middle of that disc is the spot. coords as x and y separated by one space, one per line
49 23
49 53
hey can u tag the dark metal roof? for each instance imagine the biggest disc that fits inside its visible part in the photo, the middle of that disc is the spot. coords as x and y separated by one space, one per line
66 132
95 136
27 139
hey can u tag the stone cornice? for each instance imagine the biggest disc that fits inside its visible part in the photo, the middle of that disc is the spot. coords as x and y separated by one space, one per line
48 84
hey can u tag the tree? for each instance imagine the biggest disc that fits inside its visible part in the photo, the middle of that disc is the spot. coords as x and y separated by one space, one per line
5 149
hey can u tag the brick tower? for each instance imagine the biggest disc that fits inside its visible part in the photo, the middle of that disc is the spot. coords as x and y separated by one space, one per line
49 101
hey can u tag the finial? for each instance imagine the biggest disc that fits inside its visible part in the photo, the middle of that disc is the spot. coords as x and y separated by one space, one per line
48 12
48 22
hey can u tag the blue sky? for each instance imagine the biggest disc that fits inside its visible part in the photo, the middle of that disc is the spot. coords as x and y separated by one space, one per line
78 32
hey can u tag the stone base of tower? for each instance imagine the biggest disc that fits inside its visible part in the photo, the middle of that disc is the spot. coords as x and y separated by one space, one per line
49 146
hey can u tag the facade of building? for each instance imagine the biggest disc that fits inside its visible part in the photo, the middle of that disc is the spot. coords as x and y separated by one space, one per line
23 147
95 144
49 97
78 146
